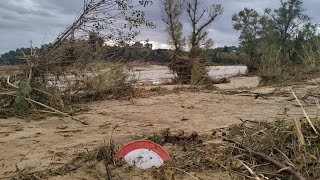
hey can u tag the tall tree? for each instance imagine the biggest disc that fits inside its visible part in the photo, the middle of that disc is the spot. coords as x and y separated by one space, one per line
189 69
172 10
248 22
306 46
288 21
201 16
95 41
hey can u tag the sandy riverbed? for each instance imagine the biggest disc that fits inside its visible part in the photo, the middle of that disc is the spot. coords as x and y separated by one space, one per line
48 143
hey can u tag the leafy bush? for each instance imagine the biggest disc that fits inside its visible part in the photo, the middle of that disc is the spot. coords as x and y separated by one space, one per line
21 105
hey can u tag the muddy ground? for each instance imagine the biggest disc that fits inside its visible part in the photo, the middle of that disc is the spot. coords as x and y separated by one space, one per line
42 144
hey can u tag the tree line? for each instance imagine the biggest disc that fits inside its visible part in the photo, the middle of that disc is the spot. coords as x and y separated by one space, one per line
15 57
275 38
227 55
270 40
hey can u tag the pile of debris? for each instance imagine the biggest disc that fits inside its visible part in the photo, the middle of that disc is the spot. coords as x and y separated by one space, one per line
250 150
45 85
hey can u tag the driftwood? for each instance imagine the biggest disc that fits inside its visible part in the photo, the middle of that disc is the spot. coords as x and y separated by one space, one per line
300 136
10 84
305 113
250 170
57 111
282 167
250 121
287 160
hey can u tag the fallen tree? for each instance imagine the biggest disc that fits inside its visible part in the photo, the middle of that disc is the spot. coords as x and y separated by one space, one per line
57 76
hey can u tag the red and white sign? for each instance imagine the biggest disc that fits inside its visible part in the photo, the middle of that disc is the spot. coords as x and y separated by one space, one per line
144 154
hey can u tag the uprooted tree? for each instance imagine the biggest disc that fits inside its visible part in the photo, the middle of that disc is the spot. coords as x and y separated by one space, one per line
46 86
189 68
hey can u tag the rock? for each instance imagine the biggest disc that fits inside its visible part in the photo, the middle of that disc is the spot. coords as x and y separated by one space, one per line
18 129
63 126
220 80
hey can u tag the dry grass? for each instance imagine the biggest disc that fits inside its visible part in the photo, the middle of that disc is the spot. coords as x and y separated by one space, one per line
204 155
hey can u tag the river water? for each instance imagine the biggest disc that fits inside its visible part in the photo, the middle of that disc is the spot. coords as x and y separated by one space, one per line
155 74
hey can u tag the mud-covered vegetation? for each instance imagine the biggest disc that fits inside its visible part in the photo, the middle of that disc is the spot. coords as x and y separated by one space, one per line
56 76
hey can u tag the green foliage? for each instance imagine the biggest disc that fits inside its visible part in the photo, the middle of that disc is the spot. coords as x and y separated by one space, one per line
24 89
15 57
228 55
112 84
280 38
21 105
287 21
200 17
270 65
95 41
172 11
198 73
306 47
72 48
156 138
248 23
308 52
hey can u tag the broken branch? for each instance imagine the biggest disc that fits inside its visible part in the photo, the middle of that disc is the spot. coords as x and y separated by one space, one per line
276 163
305 113
10 84
57 111
300 136
250 171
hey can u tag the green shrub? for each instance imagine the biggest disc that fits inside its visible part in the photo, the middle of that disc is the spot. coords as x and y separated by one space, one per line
21 105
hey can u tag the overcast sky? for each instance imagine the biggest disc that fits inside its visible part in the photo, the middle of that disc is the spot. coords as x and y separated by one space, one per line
42 20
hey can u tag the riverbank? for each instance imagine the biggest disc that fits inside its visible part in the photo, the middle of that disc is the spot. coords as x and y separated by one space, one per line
49 143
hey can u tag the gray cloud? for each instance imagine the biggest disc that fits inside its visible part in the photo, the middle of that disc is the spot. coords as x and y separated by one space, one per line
42 20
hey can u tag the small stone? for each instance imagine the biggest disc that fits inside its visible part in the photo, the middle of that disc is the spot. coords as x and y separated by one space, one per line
214 133
184 119
63 126
18 129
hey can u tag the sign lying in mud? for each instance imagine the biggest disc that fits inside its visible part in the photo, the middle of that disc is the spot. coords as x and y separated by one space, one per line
143 154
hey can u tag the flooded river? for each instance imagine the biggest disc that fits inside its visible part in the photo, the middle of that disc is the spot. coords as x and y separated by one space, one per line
155 74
